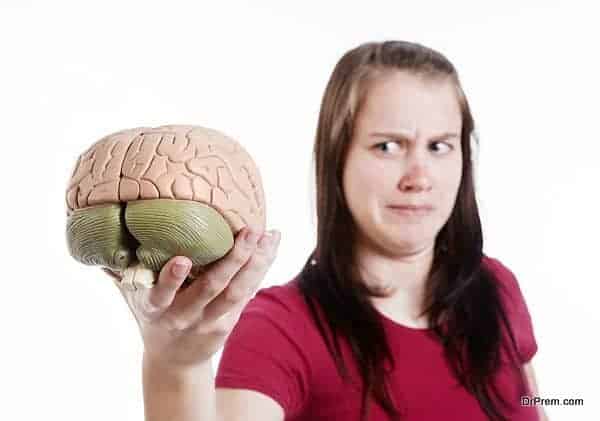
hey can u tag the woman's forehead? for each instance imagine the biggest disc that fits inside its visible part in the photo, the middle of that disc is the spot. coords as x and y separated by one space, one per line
405 102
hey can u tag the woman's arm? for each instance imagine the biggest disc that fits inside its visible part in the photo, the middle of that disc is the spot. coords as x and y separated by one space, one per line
178 396
191 396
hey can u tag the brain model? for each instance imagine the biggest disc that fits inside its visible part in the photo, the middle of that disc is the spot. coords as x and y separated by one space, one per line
140 196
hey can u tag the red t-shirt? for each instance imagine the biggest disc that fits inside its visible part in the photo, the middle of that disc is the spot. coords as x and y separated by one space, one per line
276 349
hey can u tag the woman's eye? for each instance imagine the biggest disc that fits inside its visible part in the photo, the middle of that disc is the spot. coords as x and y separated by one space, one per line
385 146
390 145
446 145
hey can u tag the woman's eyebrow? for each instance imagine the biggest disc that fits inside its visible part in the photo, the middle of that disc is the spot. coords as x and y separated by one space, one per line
398 135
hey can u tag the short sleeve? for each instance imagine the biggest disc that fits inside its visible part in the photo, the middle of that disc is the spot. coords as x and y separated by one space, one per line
516 308
264 353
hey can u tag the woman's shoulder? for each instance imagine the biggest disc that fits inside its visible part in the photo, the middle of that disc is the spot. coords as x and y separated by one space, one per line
505 277
516 307
281 301
495 265
269 349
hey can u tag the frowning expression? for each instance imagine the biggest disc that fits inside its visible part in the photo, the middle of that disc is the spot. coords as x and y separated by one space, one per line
405 151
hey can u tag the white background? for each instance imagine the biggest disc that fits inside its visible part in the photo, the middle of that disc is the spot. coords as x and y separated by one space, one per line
73 72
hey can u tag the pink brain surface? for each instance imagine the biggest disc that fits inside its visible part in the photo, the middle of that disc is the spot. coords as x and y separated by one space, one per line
171 162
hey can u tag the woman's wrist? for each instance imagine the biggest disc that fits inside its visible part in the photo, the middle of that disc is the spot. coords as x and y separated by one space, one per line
176 371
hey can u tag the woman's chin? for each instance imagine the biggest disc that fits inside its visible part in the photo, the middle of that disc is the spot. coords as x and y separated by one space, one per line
407 246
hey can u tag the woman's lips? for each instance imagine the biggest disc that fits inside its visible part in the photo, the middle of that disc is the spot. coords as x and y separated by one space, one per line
411 210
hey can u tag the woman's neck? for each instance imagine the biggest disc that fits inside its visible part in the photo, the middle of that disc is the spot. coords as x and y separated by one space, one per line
397 282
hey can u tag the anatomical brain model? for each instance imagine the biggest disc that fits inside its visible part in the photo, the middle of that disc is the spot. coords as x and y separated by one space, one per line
140 196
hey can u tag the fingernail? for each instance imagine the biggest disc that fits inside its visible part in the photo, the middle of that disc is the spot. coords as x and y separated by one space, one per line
181 269
251 237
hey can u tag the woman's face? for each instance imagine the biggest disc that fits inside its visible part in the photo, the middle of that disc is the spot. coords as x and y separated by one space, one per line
405 150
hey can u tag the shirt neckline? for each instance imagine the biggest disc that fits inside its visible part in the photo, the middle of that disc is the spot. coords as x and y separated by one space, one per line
400 325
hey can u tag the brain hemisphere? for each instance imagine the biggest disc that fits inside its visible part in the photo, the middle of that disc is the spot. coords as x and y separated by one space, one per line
175 162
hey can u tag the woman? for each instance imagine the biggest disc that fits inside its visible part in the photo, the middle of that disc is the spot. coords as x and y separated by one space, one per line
396 315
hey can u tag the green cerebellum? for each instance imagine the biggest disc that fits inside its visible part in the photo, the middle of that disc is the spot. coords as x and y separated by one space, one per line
97 236
167 227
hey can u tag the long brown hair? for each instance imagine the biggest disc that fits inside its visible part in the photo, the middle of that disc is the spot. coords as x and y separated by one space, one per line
459 291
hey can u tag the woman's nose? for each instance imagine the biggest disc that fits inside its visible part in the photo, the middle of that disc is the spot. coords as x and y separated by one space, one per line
416 178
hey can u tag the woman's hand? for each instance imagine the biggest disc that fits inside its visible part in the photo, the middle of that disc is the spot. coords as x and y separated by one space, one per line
183 328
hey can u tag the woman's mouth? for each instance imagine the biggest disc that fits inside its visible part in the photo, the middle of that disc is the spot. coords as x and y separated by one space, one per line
411 210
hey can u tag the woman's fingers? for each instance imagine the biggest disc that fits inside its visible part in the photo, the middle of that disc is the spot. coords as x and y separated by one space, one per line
171 277
222 287
215 278
246 281
150 303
